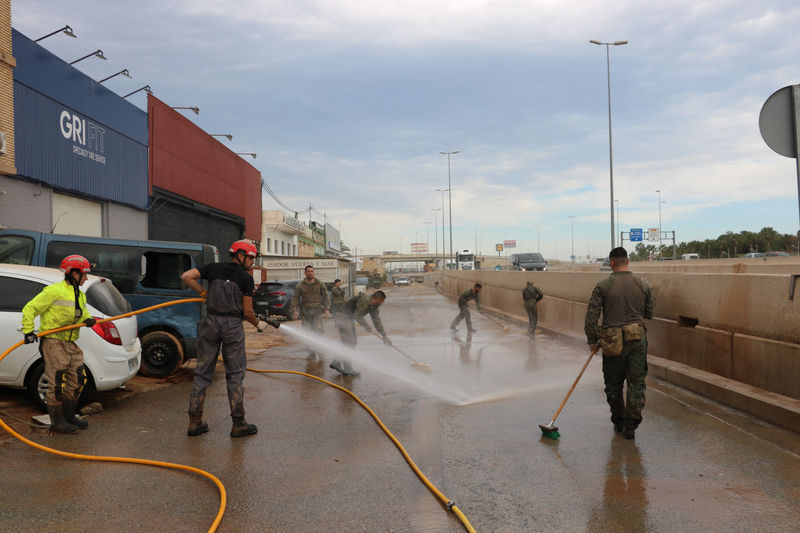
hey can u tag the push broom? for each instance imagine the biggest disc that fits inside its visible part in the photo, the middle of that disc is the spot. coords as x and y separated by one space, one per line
549 430
505 328
424 367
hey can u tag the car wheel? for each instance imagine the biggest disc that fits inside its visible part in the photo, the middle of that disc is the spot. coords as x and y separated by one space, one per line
38 386
162 354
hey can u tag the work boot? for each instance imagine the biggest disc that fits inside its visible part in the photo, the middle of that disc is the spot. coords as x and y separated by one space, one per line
628 432
349 370
57 422
472 330
69 414
241 428
337 365
196 426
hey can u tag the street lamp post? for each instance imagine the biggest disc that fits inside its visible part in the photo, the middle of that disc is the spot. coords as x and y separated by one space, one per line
444 253
610 151
659 221
538 240
618 233
436 231
572 254
450 199
427 236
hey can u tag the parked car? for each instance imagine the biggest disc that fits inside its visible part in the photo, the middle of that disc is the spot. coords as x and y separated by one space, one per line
777 254
274 297
111 351
755 254
362 282
403 280
145 272
529 261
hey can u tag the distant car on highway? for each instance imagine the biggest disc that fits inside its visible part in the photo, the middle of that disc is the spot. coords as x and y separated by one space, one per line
529 261
403 280
777 254
274 297
755 254
112 351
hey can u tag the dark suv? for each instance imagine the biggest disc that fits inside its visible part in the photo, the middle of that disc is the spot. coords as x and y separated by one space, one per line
531 261
274 297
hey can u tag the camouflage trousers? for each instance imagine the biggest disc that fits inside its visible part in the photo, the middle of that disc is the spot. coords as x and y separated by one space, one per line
63 370
463 314
219 332
631 367
347 329
312 319
533 317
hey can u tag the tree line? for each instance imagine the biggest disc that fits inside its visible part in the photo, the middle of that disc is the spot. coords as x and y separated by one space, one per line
727 245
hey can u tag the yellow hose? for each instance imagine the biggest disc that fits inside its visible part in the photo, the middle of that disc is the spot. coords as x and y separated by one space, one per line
217 482
223 497
436 492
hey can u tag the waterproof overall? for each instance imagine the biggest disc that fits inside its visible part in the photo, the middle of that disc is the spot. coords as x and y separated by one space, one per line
221 328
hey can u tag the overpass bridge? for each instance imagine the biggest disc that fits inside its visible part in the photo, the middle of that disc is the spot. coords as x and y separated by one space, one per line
382 262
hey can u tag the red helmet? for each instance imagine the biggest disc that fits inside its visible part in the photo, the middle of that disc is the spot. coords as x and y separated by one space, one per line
75 262
244 246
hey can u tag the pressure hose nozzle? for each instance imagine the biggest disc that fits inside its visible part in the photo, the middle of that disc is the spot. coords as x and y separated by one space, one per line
271 321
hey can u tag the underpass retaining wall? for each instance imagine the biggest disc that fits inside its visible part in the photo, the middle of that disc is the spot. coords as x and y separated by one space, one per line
732 337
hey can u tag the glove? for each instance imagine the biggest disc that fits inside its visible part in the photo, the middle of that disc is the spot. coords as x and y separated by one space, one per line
31 337
386 341
261 325
90 322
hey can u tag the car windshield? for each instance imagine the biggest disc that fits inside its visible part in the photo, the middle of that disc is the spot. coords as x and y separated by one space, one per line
530 258
467 257
104 297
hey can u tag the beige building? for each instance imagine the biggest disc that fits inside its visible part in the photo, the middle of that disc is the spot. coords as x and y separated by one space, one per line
279 234
7 64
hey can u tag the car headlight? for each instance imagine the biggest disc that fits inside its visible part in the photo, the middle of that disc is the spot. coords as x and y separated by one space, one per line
544 269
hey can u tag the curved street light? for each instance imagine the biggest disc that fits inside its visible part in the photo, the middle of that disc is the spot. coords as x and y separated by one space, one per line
123 72
146 89
66 29
97 53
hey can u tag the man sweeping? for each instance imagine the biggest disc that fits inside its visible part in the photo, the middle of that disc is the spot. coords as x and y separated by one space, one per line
531 295
353 310
463 307
625 301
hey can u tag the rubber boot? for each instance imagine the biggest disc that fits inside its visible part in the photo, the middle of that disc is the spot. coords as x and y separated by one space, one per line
196 426
69 414
348 370
57 422
337 365
241 428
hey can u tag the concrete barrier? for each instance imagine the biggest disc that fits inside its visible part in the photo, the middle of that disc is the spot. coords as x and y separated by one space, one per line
732 337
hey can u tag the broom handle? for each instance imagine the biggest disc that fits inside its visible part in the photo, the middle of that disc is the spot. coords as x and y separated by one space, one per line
560 407
396 348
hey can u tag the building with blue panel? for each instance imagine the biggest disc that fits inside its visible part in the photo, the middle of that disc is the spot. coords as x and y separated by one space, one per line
81 152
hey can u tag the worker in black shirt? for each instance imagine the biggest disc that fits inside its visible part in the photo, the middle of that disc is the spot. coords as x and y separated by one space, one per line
229 299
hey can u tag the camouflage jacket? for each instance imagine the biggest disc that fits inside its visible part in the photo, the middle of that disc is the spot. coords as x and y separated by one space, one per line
310 296
622 298
468 295
532 292
337 297
358 306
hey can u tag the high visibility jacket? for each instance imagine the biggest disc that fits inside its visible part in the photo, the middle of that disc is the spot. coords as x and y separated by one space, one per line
56 305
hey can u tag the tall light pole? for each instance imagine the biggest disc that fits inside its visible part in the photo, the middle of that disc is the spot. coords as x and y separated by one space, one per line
618 233
572 254
444 262
538 240
450 199
436 231
659 221
610 151
427 236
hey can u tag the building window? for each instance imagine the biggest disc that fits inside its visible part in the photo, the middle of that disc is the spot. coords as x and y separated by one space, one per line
269 245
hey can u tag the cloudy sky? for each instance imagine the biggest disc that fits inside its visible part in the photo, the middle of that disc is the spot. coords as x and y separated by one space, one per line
348 104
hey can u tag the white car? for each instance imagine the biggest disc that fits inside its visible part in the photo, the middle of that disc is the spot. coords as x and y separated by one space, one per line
111 351
403 280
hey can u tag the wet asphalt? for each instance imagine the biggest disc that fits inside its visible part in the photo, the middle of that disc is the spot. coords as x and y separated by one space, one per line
321 463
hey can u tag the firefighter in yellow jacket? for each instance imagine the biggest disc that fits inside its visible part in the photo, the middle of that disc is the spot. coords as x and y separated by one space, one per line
62 304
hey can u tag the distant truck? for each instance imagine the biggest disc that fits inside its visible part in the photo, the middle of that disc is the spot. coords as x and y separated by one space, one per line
690 256
465 259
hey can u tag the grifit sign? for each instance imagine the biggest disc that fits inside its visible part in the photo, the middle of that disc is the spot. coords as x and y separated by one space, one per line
87 138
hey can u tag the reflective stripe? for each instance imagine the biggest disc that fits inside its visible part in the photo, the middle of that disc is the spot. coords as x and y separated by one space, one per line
65 303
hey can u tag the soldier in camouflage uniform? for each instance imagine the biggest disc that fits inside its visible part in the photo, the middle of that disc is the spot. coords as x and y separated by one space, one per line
354 310
625 301
337 297
463 309
310 302
531 295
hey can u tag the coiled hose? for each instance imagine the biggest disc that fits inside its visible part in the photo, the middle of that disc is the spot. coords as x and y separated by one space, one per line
449 504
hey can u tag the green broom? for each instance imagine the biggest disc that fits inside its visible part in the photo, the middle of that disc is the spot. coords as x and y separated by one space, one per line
549 430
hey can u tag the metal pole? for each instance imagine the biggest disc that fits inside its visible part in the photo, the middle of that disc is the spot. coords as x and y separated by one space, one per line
610 151
538 240
796 102
659 223
450 205
572 254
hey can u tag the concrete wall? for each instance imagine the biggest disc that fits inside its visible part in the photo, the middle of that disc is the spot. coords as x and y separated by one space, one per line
727 331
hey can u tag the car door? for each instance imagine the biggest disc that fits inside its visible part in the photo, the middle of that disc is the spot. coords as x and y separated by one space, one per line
16 293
